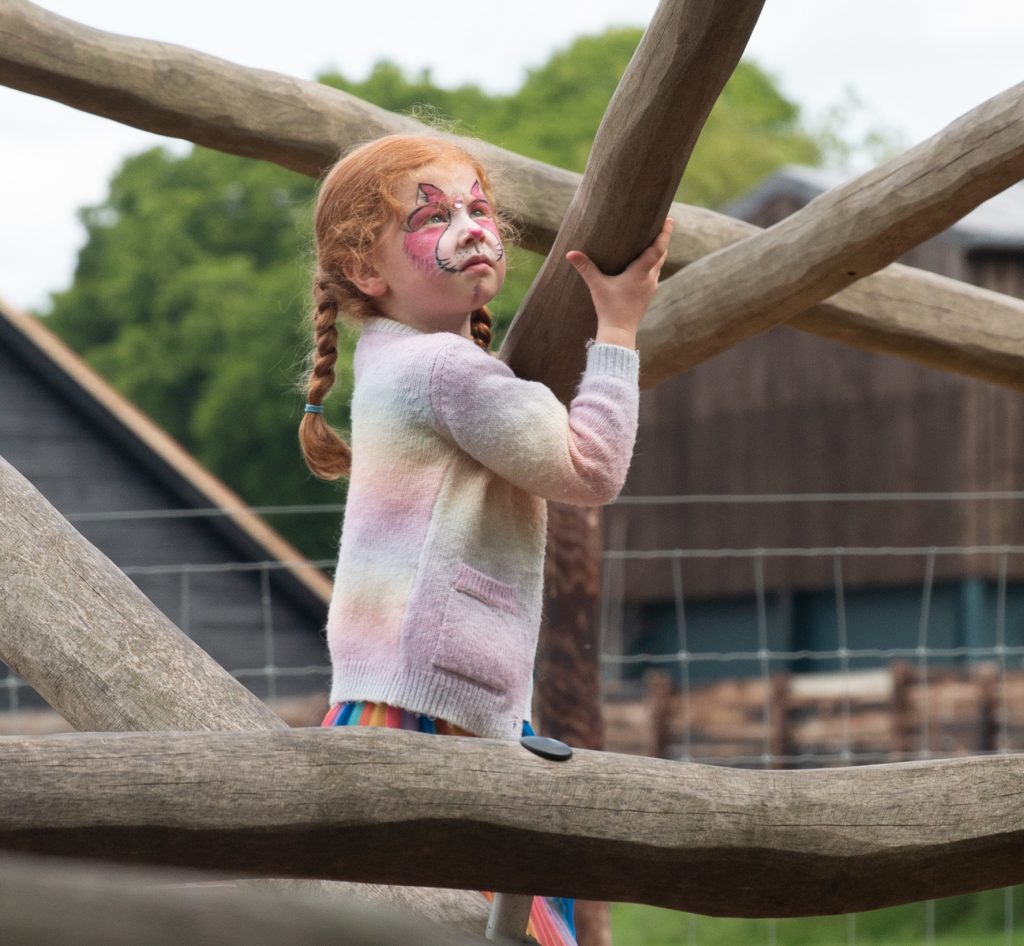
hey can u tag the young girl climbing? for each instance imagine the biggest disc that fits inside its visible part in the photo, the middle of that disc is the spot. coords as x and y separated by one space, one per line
437 597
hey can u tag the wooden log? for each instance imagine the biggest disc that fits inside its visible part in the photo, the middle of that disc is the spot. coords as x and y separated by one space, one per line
688 51
53 901
840 237
600 826
568 694
303 125
641 149
175 91
933 320
73 626
77 629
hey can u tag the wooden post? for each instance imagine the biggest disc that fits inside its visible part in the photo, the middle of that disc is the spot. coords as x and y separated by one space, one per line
837 239
642 147
687 54
77 629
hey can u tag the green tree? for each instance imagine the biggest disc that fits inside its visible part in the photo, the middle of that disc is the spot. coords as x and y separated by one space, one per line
191 293
191 296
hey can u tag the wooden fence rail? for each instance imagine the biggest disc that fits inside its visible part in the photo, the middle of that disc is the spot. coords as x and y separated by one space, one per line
890 714
474 813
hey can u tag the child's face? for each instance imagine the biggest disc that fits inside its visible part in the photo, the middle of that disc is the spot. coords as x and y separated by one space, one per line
443 258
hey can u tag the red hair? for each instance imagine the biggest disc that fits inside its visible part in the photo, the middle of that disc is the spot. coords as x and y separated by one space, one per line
358 199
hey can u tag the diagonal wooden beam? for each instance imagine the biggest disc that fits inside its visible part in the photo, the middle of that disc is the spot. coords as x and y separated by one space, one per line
107 659
302 125
703 838
75 628
845 234
642 147
172 90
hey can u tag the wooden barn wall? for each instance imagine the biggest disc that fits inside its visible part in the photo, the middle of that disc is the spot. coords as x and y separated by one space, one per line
999 270
80 469
789 412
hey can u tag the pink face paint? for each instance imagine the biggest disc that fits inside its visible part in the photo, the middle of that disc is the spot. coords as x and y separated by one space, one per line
436 228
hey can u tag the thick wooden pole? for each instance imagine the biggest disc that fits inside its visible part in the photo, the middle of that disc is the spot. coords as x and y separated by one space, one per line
600 826
837 239
53 901
77 629
647 135
568 672
687 54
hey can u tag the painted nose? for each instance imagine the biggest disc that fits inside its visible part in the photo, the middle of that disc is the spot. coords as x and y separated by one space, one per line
473 233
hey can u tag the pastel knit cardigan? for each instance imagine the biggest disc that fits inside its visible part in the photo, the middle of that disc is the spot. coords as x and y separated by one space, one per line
437 597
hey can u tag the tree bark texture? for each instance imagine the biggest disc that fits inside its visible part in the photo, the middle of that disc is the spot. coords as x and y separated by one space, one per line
77 629
303 125
54 901
840 237
642 147
486 813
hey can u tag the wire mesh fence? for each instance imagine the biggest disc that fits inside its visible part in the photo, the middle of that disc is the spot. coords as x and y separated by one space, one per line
837 670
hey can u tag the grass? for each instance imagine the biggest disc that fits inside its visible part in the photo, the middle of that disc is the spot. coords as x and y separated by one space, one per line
973 920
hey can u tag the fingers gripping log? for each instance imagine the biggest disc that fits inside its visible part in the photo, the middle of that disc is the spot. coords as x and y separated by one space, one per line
687 54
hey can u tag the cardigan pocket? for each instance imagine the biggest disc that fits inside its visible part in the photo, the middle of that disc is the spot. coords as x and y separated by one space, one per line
481 637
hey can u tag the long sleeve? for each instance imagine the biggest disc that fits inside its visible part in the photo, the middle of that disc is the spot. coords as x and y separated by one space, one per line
522 432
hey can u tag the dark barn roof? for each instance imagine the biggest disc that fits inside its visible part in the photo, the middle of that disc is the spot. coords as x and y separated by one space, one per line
90 452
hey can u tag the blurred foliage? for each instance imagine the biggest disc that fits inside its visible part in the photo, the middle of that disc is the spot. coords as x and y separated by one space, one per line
990 918
191 292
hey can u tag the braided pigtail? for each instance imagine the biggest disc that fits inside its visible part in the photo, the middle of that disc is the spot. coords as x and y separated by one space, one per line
480 327
327 455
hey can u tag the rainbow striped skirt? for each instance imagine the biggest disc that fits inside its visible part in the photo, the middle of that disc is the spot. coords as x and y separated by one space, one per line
551 918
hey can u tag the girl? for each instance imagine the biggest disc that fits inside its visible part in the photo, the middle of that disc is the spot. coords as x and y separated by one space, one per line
436 605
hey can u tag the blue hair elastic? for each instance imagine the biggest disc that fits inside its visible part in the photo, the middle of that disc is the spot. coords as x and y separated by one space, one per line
314 408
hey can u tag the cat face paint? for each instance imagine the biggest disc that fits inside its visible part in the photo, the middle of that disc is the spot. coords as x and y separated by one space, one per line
449 234
442 258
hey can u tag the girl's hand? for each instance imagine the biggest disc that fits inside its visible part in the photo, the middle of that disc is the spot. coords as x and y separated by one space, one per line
621 301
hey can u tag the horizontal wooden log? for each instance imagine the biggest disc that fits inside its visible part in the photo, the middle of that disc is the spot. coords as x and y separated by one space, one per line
303 125
93 645
477 813
49 900
641 149
845 234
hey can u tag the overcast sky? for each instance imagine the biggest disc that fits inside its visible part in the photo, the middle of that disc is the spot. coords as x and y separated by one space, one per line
915 64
